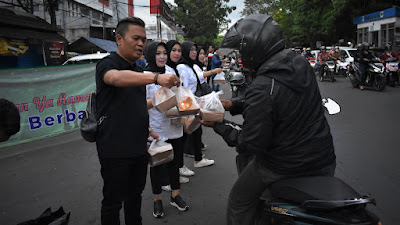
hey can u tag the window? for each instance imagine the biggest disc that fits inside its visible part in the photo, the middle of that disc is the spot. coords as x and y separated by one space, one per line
85 10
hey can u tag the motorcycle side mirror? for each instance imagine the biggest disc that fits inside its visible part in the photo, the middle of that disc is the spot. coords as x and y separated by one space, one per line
331 107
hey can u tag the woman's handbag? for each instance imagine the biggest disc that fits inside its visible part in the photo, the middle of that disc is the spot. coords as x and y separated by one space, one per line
89 122
201 88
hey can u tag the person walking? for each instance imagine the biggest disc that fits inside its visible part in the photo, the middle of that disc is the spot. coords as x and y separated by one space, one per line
216 62
121 138
211 50
188 71
157 56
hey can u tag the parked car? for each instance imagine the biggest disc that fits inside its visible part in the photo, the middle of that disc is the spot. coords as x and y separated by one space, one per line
89 58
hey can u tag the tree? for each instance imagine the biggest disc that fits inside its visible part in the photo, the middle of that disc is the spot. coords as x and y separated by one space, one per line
202 19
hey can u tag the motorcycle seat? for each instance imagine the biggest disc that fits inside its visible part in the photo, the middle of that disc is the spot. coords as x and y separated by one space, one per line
321 188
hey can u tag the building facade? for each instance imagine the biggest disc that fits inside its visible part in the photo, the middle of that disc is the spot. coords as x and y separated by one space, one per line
379 28
98 18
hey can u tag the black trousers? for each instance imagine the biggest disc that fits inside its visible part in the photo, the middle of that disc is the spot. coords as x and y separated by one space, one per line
243 200
158 173
124 180
193 144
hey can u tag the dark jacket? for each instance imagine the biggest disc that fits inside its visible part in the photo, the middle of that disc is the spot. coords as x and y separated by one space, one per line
284 122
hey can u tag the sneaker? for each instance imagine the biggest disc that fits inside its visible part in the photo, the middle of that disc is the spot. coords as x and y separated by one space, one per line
179 203
166 187
192 156
158 211
203 162
184 171
204 147
183 180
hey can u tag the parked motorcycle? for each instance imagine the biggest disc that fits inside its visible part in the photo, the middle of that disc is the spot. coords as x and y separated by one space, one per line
315 200
376 79
329 71
392 71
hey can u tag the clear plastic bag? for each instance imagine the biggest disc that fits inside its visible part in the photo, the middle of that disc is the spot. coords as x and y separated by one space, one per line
220 78
164 99
211 108
190 124
187 104
160 152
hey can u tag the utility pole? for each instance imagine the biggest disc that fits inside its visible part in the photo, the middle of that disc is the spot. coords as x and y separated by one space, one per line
104 28
158 23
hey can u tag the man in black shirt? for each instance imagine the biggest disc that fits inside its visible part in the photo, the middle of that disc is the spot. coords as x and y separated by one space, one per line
122 134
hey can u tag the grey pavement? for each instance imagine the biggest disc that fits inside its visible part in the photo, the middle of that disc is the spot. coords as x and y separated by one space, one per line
64 170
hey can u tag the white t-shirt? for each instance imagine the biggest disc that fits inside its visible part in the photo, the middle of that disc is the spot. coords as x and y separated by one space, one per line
158 122
188 78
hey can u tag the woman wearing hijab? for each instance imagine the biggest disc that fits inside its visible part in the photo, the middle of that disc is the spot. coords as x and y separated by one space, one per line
156 56
188 71
174 51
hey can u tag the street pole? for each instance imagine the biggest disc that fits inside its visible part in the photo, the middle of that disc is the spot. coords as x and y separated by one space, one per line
158 22
103 22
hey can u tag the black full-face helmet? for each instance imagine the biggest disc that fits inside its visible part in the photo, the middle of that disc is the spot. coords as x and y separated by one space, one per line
257 37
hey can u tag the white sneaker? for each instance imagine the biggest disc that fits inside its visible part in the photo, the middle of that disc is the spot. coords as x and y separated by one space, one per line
183 180
203 162
166 187
184 171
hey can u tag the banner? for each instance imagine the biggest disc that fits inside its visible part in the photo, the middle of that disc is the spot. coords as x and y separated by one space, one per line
51 100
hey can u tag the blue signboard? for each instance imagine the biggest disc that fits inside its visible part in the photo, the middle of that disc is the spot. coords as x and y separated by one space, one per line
387 13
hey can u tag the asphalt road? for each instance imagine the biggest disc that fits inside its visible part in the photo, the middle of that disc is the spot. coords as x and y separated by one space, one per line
64 170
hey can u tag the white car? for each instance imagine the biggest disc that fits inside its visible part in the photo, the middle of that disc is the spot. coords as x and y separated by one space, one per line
347 53
89 58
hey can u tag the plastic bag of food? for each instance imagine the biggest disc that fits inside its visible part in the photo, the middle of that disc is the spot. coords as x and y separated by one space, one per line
220 78
187 104
190 124
164 99
160 152
211 108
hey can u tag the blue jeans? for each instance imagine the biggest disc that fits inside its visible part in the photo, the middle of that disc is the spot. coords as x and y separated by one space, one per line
214 87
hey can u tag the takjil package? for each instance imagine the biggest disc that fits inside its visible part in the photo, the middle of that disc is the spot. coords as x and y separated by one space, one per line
220 78
187 104
190 124
164 99
160 152
211 108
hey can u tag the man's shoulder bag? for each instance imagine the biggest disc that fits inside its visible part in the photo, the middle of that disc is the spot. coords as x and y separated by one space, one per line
89 122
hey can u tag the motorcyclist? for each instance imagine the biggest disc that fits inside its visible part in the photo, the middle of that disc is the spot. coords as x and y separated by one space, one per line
387 54
365 57
360 48
284 126
308 54
323 56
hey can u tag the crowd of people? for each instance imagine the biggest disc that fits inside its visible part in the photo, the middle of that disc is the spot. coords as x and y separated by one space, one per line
124 97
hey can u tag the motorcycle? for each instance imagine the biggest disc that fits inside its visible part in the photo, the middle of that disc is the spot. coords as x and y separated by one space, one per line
237 80
312 62
376 79
315 200
341 67
329 71
392 70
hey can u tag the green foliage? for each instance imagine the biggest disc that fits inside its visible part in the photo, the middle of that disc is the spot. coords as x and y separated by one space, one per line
202 19
306 21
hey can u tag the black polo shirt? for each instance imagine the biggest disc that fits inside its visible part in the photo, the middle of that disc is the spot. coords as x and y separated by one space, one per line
124 131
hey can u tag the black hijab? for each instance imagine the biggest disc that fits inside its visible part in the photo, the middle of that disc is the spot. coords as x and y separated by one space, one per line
186 46
150 53
200 64
170 63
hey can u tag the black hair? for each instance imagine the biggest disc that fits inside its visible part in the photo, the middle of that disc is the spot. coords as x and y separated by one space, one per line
9 117
123 24
216 48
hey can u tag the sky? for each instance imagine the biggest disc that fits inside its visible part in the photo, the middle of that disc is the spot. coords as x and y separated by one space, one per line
234 16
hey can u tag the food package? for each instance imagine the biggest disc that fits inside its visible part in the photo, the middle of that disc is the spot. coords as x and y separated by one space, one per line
177 121
220 78
190 124
160 152
187 104
172 112
211 108
164 99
